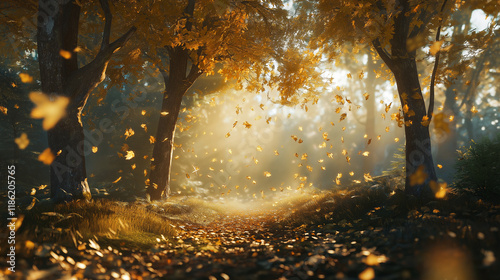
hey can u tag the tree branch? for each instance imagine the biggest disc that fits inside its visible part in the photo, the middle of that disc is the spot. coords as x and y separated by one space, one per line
194 73
122 40
382 52
189 11
430 110
108 17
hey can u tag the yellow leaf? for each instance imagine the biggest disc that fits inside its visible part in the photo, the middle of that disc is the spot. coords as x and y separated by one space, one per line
128 133
116 181
94 149
425 121
367 177
259 148
247 124
3 110
435 47
418 177
65 54
343 116
23 141
267 174
276 153
49 109
366 153
367 274
25 78
47 157
152 139
143 112
130 155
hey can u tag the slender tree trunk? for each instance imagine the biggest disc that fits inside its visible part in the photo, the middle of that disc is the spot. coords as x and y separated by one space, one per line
58 30
447 140
164 145
177 83
420 169
369 161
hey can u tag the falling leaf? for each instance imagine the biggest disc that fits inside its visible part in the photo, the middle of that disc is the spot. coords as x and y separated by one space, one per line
367 274
143 112
128 133
425 121
47 157
267 174
94 149
228 134
276 153
259 148
343 116
152 139
130 155
65 54
435 47
247 124
116 181
366 153
418 177
25 78
367 177
49 109
396 139
366 95
22 141
164 113
3 110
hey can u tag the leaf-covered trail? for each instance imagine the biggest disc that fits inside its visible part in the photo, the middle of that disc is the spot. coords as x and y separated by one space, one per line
257 244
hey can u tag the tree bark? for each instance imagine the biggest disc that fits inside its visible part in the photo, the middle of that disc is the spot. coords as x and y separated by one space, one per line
447 140
420 171
177 82
369 161
164 146
58 30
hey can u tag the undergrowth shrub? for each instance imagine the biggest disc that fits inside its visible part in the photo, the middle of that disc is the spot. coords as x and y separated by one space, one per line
478 168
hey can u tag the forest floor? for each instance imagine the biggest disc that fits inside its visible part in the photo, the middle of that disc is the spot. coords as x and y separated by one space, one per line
360 233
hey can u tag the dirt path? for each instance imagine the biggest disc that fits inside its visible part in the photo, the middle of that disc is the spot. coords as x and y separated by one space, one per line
253 246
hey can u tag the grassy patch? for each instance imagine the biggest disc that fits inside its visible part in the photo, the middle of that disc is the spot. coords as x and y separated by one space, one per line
107 221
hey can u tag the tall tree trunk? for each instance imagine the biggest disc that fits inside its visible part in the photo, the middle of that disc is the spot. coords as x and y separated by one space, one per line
164 146
420 169
177 83
447 140
58 30
369 161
